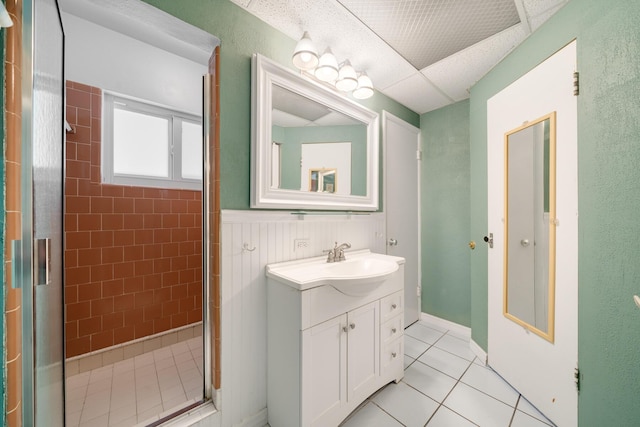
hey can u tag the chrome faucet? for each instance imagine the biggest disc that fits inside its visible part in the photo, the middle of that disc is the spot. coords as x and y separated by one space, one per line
337 253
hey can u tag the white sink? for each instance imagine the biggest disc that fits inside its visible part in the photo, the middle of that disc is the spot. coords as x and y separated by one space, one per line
360 274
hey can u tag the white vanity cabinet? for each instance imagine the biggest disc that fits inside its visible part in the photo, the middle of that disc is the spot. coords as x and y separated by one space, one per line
327 351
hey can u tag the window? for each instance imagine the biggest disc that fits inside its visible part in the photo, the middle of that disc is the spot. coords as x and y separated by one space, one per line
150 146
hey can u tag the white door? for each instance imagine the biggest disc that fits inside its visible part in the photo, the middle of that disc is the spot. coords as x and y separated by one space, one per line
542 371
402 204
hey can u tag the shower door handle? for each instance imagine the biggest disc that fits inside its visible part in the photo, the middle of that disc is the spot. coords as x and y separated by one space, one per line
42 261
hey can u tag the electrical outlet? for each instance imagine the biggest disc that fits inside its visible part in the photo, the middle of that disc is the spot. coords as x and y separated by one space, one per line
300 244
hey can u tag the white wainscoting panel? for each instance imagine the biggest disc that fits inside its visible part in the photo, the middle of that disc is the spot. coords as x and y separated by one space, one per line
250 241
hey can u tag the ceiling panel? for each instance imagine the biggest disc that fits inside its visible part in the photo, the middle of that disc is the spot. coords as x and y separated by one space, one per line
456 74
418 94
426 31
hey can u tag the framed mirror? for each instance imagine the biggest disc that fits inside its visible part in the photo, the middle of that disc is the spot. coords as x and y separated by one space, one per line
301 132
530 221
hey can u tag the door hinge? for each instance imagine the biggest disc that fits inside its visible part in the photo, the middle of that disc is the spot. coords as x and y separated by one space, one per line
576 376
418 291
419 155
576 83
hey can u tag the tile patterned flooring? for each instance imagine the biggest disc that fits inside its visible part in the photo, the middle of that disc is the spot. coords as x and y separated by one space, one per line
139 390
445 385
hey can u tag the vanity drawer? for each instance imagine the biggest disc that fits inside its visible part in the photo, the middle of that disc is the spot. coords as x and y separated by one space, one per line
392 358
391 305
391 329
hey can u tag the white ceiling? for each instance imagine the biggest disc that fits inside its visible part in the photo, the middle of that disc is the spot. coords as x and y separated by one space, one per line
425 54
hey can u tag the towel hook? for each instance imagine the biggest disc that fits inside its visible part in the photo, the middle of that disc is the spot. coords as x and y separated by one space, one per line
246 248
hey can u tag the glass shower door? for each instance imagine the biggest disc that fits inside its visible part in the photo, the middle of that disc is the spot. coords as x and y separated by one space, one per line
42 190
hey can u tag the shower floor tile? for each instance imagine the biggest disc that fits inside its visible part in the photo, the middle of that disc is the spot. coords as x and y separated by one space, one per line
137 391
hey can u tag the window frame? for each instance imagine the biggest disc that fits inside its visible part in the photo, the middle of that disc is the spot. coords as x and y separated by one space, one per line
112 101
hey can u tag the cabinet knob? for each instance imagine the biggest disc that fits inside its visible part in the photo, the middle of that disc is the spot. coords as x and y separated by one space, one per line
394 354
393 330
394 306
352 325
345 329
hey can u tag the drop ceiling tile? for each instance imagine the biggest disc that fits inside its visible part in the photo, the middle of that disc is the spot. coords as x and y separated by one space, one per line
426 31
456 74
417 94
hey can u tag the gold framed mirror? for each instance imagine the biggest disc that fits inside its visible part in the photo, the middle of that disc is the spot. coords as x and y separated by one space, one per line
530 225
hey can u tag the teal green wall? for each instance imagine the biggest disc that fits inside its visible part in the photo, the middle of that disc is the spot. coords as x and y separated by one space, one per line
292 139
241 35
608 42
445 181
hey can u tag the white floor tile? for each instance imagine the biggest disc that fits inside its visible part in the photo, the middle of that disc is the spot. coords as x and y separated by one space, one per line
165 363
520 419
78 380
429 381
98 386
72 419
478 407
101 421
371 416
131 421
445 417
406 404
162 353
414 347
487 381
123 366
525 406
96 405
408 361
445 362
455 346
143 360
122 413
423 333
137 389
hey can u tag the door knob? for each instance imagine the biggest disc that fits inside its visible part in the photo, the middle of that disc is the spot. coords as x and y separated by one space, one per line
393 242
524 242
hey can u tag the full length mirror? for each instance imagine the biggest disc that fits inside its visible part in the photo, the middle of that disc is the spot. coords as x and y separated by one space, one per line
529 276
312 147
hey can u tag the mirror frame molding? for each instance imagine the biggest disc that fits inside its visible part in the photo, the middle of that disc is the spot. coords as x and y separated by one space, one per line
266 73
548 335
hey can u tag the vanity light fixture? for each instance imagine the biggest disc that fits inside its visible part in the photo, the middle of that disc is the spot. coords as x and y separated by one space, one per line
347 77
5 19
325 68
305 56
365 87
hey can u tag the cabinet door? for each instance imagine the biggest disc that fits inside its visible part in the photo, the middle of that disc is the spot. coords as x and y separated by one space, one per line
363 350
324 363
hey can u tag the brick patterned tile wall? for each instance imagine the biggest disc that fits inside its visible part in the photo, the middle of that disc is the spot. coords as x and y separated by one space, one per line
133 255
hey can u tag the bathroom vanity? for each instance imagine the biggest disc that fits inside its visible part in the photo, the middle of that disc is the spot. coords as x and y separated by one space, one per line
334 334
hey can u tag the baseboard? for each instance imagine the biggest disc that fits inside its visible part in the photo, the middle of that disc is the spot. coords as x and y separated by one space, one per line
260 419
456 328
479 352
106 356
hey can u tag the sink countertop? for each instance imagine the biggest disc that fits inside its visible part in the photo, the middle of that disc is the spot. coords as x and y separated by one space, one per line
304 273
